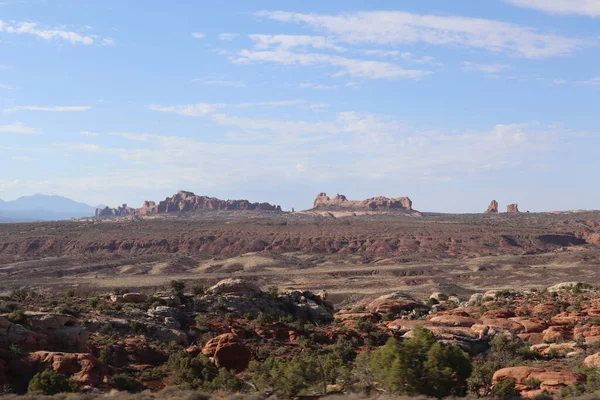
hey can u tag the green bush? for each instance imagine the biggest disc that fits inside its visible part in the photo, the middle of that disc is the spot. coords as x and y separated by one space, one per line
127 383
420 365
50 383
17 317
504 390
480 382
287 377
191 372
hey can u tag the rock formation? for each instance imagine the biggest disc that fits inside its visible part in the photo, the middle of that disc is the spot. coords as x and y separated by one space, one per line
512 208
108 212
182 202
492 208
376 203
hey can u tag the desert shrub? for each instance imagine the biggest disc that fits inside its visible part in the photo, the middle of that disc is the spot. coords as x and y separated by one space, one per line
595 321
364 324
70 292
273 292
108 355
432 302
106 329
421 365
505 390
127 383
177 287
50 382
389 316
592 380
510 352
202 322
480 381
532 383
198 290
138 327
191 372
225 381
262 318
287 377
17 317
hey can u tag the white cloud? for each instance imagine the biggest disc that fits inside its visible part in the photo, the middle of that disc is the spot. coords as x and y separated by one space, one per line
198 35
32 28
19 128
48 109
193 110
347 66
592 82
88 134
270 104
7 87
316 86
559 81
287 42
228 36
485 68
399 28
220 82
403 55
589 8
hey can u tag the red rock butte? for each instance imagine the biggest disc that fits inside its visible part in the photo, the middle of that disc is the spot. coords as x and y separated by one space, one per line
375 203
182 202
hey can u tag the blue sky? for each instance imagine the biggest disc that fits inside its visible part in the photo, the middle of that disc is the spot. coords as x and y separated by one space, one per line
450 103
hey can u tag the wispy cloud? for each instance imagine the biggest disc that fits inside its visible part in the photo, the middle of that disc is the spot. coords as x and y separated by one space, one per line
198 35
7 87
591 82
291 41
399 28
19 128
346 66
48 109
316 86
403 55
590 8
21 158
228 36
485 68
204 109
88 134
32 28
219 82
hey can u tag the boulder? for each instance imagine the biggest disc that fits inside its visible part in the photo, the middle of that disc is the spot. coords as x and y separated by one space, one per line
135 298
592 361
167 335
49 322
439 296
551 381
232 356
235 287
211 346
454 320
17 335
492 208
394 302
557 334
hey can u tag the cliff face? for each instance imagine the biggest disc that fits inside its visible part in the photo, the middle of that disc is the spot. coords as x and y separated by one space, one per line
512 208
374 203
182 202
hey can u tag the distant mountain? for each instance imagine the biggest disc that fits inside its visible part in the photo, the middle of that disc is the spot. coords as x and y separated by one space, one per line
41 207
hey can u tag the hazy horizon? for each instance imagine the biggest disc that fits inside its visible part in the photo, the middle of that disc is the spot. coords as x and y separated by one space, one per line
452 104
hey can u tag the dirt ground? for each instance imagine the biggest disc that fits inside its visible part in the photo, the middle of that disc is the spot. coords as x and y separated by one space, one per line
349 256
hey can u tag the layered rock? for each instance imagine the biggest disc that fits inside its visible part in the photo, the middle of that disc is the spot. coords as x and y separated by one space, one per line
549 380
512 208
492 208
184 201
375 203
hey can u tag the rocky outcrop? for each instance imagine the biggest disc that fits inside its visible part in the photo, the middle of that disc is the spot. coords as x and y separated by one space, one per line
107 212
17 335
492 208
550 381
84 368
376 203
188 201
512 208
184 201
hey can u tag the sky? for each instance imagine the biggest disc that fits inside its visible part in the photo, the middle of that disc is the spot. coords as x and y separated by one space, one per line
452 103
